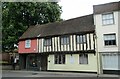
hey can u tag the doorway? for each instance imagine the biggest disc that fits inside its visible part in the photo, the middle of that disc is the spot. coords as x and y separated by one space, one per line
44 61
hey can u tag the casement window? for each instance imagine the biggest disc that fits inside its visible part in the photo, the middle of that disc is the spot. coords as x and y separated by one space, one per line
81 39
109 39
47 42
27 43
107 19
60 59
65 40
83 59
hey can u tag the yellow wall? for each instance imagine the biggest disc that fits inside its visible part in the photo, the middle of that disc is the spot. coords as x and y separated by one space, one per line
75 66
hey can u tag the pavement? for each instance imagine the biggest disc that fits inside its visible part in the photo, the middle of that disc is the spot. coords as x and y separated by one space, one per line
24 73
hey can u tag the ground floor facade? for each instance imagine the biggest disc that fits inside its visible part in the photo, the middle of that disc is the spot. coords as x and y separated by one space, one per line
78 62
73 62
111 62
33 61
59 62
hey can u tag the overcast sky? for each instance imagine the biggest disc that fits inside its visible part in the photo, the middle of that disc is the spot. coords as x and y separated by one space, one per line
77 8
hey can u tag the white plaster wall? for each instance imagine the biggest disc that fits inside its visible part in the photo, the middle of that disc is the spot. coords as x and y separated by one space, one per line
119 30
100 30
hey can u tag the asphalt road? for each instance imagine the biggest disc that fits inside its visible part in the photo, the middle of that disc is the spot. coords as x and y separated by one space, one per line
10 74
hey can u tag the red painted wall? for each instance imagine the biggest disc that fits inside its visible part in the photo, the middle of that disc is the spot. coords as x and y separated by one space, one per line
32 49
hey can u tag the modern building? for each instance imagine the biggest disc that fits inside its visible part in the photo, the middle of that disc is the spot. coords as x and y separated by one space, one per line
85 44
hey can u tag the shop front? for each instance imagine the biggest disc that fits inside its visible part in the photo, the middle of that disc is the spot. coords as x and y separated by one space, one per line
35 62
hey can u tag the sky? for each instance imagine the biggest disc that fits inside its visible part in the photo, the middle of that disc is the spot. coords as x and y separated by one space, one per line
77 8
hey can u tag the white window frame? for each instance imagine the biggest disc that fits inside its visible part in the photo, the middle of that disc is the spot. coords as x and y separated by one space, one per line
83 58
27 43
108 19
110 38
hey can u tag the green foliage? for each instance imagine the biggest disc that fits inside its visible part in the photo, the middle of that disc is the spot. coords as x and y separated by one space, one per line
18 16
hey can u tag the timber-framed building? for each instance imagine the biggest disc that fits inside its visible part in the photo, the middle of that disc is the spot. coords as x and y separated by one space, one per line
85 44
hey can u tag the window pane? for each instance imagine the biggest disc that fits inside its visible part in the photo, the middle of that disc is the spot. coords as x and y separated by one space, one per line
63 59
27 43
47 42
78 39
56 59
59 59
64 40
81 39
110 39
110 21
107 19
103 17
84 39
83 59
67 40
110 16
106 42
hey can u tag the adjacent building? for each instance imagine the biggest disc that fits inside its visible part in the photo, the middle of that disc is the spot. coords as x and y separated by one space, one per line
86 44
107 25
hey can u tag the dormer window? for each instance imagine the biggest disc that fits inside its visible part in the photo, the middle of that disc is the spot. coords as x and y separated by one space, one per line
107 19
27 43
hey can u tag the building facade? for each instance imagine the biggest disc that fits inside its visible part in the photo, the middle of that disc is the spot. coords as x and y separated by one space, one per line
107 23
85 44
62 46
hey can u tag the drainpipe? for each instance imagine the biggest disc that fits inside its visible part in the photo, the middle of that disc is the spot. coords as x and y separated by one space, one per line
99 63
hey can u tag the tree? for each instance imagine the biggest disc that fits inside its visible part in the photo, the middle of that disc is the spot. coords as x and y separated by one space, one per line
18 16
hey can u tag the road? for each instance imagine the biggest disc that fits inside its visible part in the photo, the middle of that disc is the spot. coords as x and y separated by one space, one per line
11 74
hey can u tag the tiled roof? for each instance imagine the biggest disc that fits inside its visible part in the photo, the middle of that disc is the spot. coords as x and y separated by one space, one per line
108 7
77 25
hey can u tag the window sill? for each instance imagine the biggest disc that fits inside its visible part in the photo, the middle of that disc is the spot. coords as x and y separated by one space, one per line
27 48
59 64
83 64
109 46
108 24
